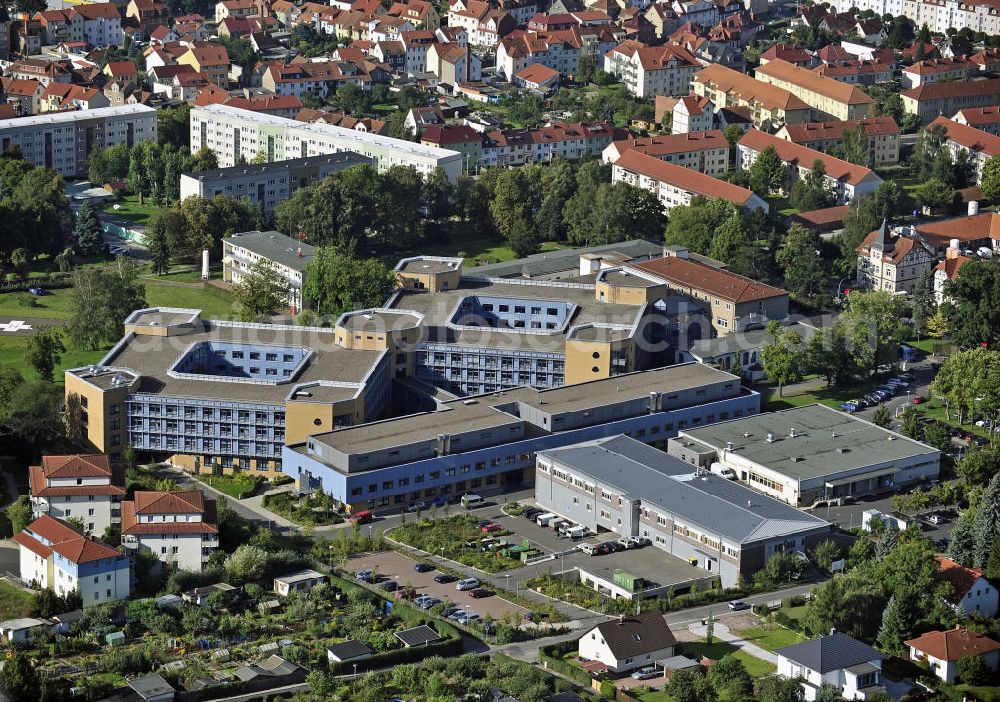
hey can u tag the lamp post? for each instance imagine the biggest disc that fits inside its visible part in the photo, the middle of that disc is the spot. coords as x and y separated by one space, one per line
355 670
507 583
370 526
840 286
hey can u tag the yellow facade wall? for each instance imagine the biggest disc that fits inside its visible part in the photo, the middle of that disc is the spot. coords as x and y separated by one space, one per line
581 365
629 295
103 411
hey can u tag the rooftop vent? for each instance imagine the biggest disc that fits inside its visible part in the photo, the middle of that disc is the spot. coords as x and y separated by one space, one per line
843 449
729 445
833 434
770 437
791 433
746 435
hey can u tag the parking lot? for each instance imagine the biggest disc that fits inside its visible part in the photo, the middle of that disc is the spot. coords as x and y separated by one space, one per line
849 515
395 566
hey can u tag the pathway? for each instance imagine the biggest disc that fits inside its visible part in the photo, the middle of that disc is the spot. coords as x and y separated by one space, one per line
722 632
250 508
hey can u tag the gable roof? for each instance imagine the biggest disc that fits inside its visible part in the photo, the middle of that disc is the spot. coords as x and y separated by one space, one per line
417 635
347 650
749 89
537 73
895 247
827 653
686 179
76 466
960 88
961 577
636 635
719 282
47 534
981 227
812 81
971 138
953 644
818 131
189 502
974 116
668 144
951 267
804 157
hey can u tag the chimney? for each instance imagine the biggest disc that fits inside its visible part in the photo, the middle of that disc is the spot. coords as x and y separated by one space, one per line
729 445
973 207
298 252
953 250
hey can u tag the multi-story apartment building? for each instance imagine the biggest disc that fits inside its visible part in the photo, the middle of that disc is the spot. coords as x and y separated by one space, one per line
882 133
931 100
892 260
64 141
54 555
179 528
937 70
675 185
648 71
321 78
977 145
621 485
515 147
486 443
828 97
859 72
557 50
288 256
844 179
267 183
23 96
692 114
485 23
234 134
938 15
101 23
986 119
211 60
948 270
737 303
82 486
703 151
769 105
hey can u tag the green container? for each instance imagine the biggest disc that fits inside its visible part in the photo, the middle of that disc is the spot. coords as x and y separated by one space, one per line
626 580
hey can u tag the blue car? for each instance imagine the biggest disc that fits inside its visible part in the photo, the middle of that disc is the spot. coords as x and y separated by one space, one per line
423 567
849 406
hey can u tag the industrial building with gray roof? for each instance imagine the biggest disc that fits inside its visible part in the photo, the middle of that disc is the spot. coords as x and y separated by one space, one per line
627 487
810 453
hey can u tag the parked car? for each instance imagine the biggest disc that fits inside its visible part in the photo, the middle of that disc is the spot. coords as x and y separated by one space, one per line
644 540
479 592
390 586
38 292
429 602
738 605
365 576
490 528
417 506
646 673
937 519
850 406
613 546
918 400
467 584
469 617
589 549
423 567
445 578
531 513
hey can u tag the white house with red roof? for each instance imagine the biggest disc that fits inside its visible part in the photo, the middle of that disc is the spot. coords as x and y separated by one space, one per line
537 76
83 486
943 272
970 589
648 71
55 555
177 527
942 650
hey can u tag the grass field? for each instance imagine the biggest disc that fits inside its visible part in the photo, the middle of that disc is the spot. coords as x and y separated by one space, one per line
52 306
213 302
130 209
12 350
772 637
477 249
229 486
831 397
183 273
14 603
719 649
655 696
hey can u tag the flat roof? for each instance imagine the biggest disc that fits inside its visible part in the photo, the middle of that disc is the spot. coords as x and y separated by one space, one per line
161 317
428 264
151 356
76 116
599 333
826 441
696 497
378 320
275 246
564 260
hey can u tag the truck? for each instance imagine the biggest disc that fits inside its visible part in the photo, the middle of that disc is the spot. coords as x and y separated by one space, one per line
725 471
545 519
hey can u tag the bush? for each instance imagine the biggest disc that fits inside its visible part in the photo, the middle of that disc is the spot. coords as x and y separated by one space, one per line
793 601
27 300
761 610
553 657
282 480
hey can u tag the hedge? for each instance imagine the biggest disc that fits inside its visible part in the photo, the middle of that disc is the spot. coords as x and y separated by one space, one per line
551 656
49 282
415 654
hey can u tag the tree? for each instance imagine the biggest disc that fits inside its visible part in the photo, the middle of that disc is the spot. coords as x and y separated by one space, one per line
44 351
783 357
962 539
973 307
851 602
894 630
828 354
689 685
730 678
991 178
335 211
158 234
987 522
992 570
804 270
585 69
877 320
934 195
46 603
967 382
64 260
828 692
108 165
972 670
398 216
337 282
937 324
101 300
924 305
514 199
811 192
864 215
19 678
262 292
854 147
937 436
19 514
826 552
523 238
767 172
694 226
882 417
778 689
247 563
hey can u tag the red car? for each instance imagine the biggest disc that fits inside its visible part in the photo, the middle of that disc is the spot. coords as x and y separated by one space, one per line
490 528
479 592
919 400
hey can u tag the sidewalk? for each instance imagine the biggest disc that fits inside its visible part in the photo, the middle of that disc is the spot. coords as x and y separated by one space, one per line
722 633
250 507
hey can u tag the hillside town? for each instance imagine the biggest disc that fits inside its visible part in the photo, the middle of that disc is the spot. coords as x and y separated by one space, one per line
499 351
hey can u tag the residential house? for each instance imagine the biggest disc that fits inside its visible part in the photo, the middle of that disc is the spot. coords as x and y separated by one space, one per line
706 152
121 70
464 139
77 486
648 71
557 50
970 589
973 232
769 105
416 44
360 124
828 97
892 260
149 14
883 136
675 185
977 145
942 650
320 78
740 353
420 118
453 64
236 8
538 77
102 25
421 14
844 180
57 26
289 257
859 72
938 70
515 147
628 642
392 54
53 554
18 631
948 270
178 528
119 93
302 581
792 53
692 114
984 118
211 60
69 96
736 303
42 70
930 100
485 24
853 668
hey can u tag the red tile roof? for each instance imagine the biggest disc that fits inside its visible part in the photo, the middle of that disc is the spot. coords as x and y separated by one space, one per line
971 138
824 216
959 88
537 73
953 644
809 80
187 502
458 134
749 89
787 52
97 11
820 131
171 503
683 178
659 146
961 577
951 266
981 227
64 540
976 116
76 466
804 157
940 65
718 282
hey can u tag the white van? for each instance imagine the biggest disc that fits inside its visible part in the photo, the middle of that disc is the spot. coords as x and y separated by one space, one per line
544 519
470 501
577 532
724 471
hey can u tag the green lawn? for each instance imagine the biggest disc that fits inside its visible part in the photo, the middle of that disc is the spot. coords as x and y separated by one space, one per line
772 637
795 613
655 696
935 409
130 209
213 302
14 603
230 486
184 273
52 306
719 649
831 397
12 349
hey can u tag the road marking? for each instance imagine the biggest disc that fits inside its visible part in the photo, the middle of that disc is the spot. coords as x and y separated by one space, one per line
14 326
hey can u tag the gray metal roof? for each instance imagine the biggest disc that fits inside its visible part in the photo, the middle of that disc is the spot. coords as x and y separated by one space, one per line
832 652
417 635
150 686
723 507
550 262
744 341
350 649
275 246
826 441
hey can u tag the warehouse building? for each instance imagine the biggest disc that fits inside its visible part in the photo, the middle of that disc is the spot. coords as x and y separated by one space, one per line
240 136
483 444
621 485
807 454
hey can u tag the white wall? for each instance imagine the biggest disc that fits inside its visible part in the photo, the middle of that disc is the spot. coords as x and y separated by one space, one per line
188 549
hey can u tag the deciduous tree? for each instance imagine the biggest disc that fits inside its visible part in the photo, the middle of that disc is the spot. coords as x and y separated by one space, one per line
262 292
804 270
767 172
783 357
101 300
44 351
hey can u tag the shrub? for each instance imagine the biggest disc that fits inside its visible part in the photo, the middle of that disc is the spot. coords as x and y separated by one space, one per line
793 601
27 300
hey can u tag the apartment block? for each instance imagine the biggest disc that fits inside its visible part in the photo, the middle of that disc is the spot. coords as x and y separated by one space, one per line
845 180
769 105
986 119
64 141
54 555
179 528
976 144
938 15
893 260
829 98
648 71
938 70
267 184
883 136
83 487
931 100
703 151
482 444
516 147
240 135
289 257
